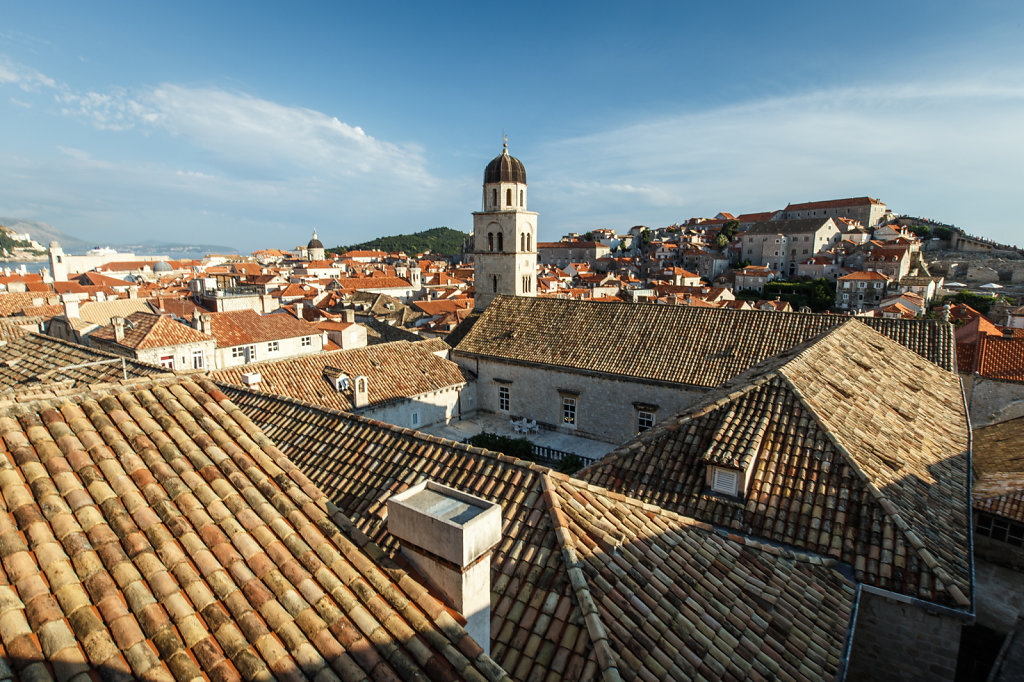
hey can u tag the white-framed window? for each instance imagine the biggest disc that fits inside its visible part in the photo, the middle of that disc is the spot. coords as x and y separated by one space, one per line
644 420
846 296
273 346
197 359
861 285
568 411
307 341
503 398
250 353
878 285
725 481
415 419
238 352
167 361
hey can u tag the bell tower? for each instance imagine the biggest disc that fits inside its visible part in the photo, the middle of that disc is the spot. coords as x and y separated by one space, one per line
504 234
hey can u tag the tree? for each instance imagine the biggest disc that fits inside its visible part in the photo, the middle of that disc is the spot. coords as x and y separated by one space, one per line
730 228
721 241
943 233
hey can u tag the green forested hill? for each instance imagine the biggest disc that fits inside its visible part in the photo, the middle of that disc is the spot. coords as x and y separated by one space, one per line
442 240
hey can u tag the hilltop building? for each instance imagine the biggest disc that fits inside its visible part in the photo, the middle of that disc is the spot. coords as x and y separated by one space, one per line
504 234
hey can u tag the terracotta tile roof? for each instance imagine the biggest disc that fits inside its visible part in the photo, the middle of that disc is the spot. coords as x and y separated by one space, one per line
443 306
153 532
586 582
146 330
12 303
241 327
866 275
998 462
999 357
833 203
863 458
395 370
678 344
98 279
360 283
35 359
46 311
100 312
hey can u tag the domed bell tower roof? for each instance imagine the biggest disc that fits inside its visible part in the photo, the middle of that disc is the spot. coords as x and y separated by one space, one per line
505 168
314 243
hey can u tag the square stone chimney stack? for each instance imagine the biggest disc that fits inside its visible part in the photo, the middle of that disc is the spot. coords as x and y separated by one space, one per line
448 536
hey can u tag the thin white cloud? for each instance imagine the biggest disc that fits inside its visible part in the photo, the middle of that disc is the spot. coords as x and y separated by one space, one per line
951 148
28 79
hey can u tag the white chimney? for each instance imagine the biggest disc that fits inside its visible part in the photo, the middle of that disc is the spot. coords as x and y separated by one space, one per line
348 315
360 391
206 324
118 324
448 536
298 309
252 379
70 309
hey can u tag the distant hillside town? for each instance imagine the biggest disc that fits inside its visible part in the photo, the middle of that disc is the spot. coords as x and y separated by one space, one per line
781 444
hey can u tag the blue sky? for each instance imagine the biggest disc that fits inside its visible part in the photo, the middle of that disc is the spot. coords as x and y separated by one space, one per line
249 124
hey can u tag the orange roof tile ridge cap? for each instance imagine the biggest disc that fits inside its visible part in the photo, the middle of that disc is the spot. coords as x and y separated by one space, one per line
584 600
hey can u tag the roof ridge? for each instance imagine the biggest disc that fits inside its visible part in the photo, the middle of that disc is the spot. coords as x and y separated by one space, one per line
886 504
599 635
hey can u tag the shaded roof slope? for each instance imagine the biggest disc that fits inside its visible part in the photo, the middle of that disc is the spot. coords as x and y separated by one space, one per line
153 532
33 360
393 370
998 462
679 344
586 583
863 457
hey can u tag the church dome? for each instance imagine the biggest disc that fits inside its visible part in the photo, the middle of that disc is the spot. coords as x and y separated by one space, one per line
314 243
163 266
505 168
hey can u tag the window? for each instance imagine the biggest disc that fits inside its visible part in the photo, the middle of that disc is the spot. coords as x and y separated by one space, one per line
197 359
167 361
522 242
520 197
501 242
846 296
494 283
273 346
725 481
569 410
490 241
529 239
251 353
415 419
503 398
861 285
238 352
307 341
1000 529
644 420
508 197
878 285
494 198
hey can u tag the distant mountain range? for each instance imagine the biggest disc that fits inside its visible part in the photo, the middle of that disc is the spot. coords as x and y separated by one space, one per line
44 234
440 240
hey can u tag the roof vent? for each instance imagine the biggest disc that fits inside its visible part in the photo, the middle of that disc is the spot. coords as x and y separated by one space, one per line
251 379
448 536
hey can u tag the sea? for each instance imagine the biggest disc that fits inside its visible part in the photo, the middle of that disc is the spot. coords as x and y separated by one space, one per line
30 266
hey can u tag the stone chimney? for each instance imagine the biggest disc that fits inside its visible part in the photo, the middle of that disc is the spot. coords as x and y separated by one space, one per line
118 324
298 309
206 324
448 536
348 315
